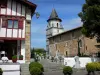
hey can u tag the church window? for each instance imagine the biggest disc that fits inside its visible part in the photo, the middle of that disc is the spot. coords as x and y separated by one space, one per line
66 53
57 25
80 43
86 47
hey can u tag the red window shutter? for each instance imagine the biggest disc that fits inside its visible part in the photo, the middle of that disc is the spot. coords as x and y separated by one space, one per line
20 24
0 21
4 23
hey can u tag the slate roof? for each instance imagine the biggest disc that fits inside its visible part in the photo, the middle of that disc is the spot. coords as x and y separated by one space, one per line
54 16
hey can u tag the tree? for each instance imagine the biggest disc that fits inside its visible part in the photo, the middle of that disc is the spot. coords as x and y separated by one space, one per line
37 52
90 16
32 53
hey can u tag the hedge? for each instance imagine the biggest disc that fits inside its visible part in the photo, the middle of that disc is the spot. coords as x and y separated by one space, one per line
67 70
92 67
36 64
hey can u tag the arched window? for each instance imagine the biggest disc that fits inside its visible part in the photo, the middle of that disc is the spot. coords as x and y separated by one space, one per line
57 25
80 43
66 53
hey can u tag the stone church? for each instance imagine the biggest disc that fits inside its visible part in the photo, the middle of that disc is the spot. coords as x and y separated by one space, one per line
67 43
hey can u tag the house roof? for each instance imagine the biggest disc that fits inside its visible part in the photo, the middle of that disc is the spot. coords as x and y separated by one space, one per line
54 16
66 31
29 4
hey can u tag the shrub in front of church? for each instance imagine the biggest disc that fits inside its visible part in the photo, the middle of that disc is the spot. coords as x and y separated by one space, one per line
35 71
21 57
98 66
92 67
14 58
67 70
1 71
36 64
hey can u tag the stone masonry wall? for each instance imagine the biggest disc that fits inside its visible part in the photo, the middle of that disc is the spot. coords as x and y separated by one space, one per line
68 44
27 41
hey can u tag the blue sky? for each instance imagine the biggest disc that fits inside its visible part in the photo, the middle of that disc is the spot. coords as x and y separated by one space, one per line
67 10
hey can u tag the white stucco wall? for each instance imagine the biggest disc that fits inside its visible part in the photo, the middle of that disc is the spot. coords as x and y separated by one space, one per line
3 11
28 14
83 61
10 69
14 8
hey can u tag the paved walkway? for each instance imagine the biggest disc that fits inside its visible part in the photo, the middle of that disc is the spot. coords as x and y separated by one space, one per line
52 68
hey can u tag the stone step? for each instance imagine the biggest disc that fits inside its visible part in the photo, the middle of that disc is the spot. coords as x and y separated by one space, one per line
25 74
25 69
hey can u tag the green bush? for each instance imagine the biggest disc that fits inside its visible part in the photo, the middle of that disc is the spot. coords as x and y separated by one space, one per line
36 64
35 71
97 66
67 70
91 67
1 71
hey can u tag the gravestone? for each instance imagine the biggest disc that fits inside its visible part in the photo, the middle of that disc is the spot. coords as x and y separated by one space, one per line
77 62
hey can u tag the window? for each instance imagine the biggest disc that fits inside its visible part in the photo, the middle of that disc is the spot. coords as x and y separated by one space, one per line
10 24
57 25
80 43
15 24
98 40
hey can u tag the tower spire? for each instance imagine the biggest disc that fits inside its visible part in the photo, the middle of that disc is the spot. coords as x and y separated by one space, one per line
54 16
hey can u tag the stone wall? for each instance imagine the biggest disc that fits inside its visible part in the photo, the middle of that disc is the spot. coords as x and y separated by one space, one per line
27 41
67 44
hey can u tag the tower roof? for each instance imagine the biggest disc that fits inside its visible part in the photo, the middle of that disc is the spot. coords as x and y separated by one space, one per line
54 16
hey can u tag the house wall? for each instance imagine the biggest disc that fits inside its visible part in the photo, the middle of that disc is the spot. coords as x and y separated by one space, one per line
23 49
27 41
15 9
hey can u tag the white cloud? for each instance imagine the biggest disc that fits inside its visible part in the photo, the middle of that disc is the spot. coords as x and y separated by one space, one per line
71 23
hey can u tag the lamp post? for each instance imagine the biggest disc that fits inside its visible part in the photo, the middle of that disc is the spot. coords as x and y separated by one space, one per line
37 15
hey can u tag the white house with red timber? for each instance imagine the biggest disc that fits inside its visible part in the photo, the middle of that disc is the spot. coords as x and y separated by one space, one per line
15 27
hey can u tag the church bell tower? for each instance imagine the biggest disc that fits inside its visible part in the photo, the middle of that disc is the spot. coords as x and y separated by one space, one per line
54 27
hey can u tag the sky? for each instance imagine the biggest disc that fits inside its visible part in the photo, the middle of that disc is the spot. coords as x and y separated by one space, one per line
67 10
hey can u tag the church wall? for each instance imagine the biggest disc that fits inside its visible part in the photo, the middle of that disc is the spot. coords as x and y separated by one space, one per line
90 47
68 42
